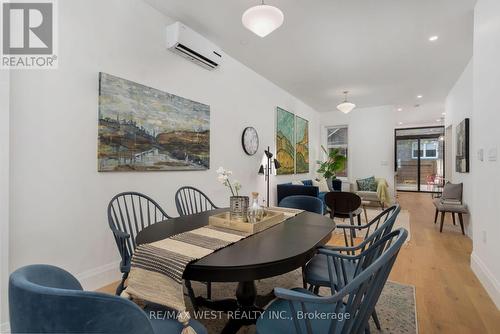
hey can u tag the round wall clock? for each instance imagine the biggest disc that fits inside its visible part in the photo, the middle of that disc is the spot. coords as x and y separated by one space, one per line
250 140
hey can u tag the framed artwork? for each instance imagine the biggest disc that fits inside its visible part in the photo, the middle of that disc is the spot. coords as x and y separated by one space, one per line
145 129
462 156
301 145
285 141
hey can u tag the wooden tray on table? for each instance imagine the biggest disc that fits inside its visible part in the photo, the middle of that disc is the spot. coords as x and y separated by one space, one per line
270 219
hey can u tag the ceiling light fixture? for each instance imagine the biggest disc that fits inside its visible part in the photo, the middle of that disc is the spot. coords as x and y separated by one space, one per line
346 107
400 123
419 96
443 113
438 120
433 38
262 19
400 109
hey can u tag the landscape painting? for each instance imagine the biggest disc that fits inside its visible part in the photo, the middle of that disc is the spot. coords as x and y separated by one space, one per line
301 145
285 141
462 156
145 129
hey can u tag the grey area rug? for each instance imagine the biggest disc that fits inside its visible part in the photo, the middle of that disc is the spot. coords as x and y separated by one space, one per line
395 308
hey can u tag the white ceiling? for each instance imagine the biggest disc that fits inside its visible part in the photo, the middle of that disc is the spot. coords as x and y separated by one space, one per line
378 50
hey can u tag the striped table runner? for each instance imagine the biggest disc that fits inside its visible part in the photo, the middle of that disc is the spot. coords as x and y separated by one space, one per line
157 268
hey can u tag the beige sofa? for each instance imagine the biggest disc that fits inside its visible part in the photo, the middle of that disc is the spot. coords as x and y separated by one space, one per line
380 197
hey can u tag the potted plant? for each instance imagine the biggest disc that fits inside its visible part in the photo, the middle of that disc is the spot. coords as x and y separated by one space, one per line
238 204
334 163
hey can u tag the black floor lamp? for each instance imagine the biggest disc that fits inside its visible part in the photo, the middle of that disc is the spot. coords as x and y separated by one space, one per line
266 167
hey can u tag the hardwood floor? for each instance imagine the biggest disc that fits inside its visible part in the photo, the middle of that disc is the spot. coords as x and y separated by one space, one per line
450 298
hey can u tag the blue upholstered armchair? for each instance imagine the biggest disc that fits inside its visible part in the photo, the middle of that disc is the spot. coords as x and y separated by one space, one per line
47 299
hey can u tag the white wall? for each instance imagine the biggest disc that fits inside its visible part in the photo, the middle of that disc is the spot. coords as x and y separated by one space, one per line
486 221
58 199
370 140
459 105
4 195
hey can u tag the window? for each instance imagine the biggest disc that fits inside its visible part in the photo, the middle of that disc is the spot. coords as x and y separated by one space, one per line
337 139
428 149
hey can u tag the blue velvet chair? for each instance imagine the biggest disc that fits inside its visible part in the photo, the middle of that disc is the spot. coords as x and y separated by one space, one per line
47 299
346 311
307 203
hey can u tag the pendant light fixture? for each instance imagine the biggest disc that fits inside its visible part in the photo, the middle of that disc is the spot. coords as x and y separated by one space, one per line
262 19
346 107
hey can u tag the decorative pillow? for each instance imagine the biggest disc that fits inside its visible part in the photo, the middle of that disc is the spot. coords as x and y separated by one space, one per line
368 184
297 183
322 185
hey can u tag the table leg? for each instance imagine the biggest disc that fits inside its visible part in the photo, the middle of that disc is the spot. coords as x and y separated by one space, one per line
241 311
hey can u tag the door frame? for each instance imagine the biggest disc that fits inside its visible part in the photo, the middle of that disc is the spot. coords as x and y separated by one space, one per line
418 138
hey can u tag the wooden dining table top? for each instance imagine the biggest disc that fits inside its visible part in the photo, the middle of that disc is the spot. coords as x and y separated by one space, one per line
275 251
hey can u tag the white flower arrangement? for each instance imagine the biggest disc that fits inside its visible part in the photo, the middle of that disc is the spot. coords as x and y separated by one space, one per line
223 177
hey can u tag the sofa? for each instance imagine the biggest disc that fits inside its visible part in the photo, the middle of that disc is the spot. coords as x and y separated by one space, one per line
379 197
289 189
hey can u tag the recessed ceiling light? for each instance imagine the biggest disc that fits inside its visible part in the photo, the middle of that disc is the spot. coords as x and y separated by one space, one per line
400 109
433 38
438 120
443 113
419 96
400 123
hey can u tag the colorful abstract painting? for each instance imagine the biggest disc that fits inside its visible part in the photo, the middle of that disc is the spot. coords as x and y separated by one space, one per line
285 141
145 129
301 145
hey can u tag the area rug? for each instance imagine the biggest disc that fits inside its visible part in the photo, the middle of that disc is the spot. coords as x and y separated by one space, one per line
395 308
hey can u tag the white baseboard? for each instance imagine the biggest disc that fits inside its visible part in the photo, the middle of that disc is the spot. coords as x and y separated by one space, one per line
5 328
96 278
486 278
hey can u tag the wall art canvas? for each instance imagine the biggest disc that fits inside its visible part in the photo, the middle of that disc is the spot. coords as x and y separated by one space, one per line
285 141
462 157
145 129
301 145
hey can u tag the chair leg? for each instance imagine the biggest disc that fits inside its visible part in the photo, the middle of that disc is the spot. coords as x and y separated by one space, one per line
366 215
351 221
304 283
316 289
209 290
375 319
359 220
191 294
461 219
453 216
442 221
436 216
121 286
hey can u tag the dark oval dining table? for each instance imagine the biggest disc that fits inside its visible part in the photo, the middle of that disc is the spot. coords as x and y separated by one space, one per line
272 252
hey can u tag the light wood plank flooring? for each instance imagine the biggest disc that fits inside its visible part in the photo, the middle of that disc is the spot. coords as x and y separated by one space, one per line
450 298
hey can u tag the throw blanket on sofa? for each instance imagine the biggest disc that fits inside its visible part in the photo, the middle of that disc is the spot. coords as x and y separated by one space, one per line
383 192
157 268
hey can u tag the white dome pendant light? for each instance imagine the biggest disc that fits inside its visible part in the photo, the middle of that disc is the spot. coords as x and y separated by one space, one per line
346 107
262 19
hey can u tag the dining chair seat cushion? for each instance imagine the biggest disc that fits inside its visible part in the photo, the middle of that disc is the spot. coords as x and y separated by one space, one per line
457 208
277 317
317 271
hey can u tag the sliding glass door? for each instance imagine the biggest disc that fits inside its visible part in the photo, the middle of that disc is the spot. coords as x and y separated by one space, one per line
419 159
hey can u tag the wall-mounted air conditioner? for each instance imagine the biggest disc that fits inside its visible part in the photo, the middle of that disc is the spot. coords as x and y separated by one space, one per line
189 44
